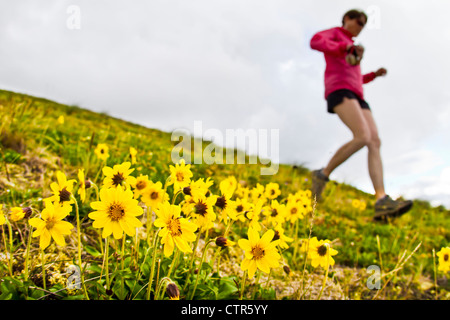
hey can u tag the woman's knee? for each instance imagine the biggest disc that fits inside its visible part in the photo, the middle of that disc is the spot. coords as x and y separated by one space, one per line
374 142
362 139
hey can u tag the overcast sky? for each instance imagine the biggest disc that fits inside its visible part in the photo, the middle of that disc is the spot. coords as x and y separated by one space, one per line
245 64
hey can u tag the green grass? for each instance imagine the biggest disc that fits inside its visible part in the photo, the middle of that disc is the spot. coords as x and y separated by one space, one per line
34 145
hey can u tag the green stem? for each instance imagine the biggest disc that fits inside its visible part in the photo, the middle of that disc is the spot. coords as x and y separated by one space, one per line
79 245
152 272
268 278
28 251
122 284
256 284
326 273
10 247
176 195
43 269
161 284
244 277
199 271
174 261
96 190
149 221
192 260
102 164
107 262
219 250
294 256
435 280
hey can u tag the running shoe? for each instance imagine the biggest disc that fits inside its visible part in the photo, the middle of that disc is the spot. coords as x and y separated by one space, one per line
388 208
319 181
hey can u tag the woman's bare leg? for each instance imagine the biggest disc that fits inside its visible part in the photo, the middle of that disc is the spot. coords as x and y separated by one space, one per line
374 156
350 112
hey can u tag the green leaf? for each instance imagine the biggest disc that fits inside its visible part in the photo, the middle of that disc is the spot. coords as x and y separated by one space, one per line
227 289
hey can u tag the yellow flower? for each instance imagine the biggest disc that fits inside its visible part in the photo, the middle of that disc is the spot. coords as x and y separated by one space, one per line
180 175
154 194
133 153
2 216
254 215
275 213
81 185
242 208
102 151
199 187
272 191
257 193
444 259
294 211
242 192
119 175
201 209
61 119
62 190
279 234
52 225
16 214
260 253
299 204
228 186
224 242
175 230
227 207
140 185
116 212
319 252
359 204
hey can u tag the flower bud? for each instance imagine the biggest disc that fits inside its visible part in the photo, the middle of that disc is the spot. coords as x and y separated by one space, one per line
287 270
187 191
224 242
172 291
28 211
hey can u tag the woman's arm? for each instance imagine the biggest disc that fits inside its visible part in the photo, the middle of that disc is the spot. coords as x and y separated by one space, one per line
323 41
372 75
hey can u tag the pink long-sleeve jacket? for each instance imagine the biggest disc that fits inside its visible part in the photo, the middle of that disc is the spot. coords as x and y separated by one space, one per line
338 73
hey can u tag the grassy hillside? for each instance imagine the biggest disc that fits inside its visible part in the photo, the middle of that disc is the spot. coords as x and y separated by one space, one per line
41 137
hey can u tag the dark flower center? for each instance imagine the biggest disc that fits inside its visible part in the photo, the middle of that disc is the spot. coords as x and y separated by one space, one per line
445 257
200 208
174 227
154 195
118 179
180 176
239 208
116 212
64 195
322 250
221 202
258 252
141 185
274 213
276 236
49 224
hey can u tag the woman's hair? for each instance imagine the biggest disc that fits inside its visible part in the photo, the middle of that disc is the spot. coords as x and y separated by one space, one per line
353 14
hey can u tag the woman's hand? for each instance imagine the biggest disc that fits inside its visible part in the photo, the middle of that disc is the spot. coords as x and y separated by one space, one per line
359 51
380 72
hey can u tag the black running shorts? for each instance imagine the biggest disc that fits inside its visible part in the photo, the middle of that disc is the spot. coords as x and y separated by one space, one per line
336 97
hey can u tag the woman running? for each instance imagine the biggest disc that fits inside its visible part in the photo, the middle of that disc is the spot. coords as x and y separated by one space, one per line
344 95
